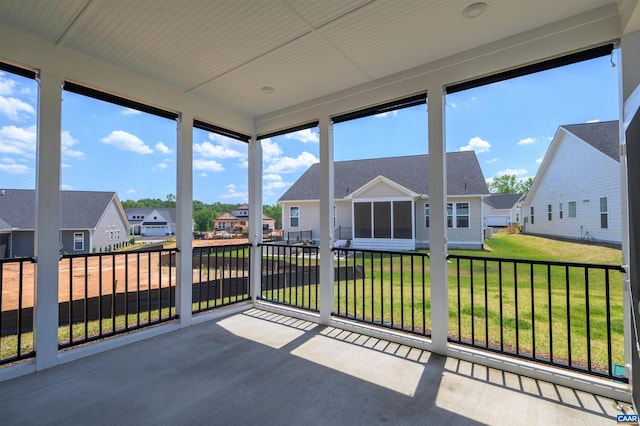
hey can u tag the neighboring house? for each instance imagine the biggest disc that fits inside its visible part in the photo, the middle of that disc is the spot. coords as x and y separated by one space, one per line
576 192
91 221
150 221
237 219
502 210
384 202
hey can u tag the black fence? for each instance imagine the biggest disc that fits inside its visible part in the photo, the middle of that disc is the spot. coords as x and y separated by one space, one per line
107 294
16 309
220 276
388 289
568 315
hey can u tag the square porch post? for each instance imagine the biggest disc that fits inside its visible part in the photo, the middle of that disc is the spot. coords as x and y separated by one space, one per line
184 217
255 217
47 227
326 219
437 221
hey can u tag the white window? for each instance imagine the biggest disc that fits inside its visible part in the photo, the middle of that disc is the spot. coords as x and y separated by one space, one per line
294 216
458 214
549 212
426 215
78 241
572 209
604 213
560 210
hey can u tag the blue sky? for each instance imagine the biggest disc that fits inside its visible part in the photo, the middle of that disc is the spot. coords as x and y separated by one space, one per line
107 147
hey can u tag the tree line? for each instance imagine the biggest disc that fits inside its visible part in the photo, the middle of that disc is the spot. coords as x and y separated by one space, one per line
203 213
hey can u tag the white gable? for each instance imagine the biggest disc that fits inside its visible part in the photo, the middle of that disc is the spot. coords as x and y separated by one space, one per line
381 187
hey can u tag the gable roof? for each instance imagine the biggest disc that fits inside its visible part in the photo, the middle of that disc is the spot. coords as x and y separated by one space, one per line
502 201
464 176
168 213
603 136
79 209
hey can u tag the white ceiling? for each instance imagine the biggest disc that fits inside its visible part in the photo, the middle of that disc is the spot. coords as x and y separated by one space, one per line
226 50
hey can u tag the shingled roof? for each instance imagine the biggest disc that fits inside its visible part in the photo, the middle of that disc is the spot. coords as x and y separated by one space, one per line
604 136
502 201
79 209
464 176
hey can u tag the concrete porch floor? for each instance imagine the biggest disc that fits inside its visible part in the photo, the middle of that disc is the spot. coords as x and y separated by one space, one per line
264 368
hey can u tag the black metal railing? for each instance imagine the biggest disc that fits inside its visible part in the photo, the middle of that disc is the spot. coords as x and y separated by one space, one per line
290 275
568 315
388 289
220 276
343 233
102 295
16 309
299 237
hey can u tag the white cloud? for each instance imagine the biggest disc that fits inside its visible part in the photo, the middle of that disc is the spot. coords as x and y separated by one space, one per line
67 142
66 187
203 174
6 85
526 141
233 193
131 111
289 164
304 136
476 144
207 165
489 181
493 160
596 120
163 148
127 142
130 191
13 107
538 160
207 149
160 166
11 167
393 113
452 104
270 150
18 140
273 181
65 165
516 172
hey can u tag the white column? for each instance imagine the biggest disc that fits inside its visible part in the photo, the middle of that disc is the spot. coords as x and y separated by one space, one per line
437 221
184 217
326 219
255 216
47 234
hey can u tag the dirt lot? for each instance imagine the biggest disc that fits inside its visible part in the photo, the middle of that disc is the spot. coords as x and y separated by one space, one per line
132 271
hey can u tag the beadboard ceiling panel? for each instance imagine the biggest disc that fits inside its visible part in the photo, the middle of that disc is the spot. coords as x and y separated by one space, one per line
227 50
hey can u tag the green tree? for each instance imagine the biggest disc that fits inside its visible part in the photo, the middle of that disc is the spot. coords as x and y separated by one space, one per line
524 185
274 212
505 184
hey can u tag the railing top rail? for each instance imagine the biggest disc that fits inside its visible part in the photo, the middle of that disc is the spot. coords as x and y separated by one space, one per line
18 260
297 245
618 268
390 252
225 246
125 252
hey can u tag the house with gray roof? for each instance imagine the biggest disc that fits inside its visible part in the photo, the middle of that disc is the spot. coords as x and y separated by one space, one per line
152 221
91 221
576 192
383 203
501 210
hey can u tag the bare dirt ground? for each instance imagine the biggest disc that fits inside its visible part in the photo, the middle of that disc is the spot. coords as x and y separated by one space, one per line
125 271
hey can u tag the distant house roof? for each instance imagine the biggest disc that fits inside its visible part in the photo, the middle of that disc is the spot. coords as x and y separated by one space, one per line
604 136
168 213
464 176
79 209
503 201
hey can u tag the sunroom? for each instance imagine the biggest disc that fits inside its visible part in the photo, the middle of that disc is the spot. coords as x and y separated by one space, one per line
251 71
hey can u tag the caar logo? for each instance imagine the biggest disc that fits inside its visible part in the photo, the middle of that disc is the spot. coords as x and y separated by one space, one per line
627 419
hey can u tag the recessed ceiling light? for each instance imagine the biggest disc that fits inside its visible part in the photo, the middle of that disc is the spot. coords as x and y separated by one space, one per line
267 90
474 10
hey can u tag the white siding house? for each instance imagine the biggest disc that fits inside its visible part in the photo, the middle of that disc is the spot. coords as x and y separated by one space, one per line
502 209
576 192
383 203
